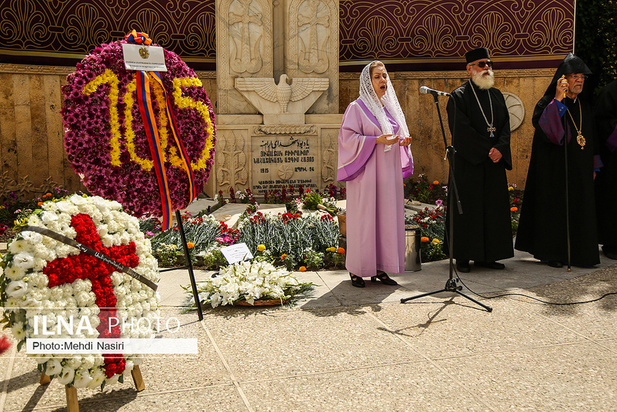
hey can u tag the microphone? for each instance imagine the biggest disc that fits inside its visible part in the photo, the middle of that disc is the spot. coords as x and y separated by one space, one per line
425 90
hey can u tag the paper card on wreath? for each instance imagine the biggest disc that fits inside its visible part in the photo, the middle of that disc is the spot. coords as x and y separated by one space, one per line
146 58
236 253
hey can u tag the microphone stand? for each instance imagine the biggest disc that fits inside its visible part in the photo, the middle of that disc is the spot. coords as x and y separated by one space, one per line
453 197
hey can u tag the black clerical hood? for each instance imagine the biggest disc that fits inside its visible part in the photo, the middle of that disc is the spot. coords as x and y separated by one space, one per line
571 64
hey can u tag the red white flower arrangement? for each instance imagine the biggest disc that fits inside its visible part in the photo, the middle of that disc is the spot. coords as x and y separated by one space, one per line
45 280
106 141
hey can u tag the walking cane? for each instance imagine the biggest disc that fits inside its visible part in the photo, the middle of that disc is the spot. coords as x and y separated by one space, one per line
565 151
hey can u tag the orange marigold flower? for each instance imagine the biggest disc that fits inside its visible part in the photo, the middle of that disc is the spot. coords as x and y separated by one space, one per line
40 203
302 269
190 245
436 182
424 239
283 256
47 195
514 209
340 250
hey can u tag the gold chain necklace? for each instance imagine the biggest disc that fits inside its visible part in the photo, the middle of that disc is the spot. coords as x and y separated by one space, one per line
579 138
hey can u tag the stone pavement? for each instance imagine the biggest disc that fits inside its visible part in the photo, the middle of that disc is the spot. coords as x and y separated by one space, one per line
344 348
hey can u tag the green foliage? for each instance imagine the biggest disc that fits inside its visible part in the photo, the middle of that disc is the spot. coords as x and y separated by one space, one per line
424 191
201 231
311 200
288 234
212 260
596 39
516 200
313 260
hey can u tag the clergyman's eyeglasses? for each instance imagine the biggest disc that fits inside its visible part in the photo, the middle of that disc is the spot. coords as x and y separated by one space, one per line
483 64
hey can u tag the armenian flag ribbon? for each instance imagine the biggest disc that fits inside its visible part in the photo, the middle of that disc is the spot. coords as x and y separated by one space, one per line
148 116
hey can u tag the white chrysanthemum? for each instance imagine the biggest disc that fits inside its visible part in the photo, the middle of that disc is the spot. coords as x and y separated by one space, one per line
44 252
38 280
77 200
18 246
14 273
32 238
18 331
65 206
49 217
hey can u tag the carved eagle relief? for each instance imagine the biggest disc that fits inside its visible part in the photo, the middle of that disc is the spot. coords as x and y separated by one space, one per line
282 93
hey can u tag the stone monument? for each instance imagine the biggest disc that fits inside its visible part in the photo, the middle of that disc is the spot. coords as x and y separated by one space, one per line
277 78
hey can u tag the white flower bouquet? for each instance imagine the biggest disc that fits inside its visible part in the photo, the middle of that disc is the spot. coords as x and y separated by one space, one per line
250 281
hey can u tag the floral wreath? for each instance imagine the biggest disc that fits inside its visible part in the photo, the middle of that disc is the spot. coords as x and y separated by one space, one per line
46 279
106 140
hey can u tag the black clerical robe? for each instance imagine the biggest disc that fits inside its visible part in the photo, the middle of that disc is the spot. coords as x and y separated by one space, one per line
484 231
606 181
543 228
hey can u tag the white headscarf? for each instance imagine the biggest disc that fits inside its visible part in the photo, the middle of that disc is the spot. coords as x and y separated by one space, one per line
389 101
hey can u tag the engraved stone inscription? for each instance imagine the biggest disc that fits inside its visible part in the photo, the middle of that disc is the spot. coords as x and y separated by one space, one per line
284 160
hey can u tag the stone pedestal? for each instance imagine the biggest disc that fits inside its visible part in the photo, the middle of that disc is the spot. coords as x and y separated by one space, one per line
269 157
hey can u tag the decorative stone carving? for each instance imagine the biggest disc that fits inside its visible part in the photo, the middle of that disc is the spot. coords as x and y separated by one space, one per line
282 103
329 155
516 108
312 46
231 160
313 36
24 186
243 47
246 28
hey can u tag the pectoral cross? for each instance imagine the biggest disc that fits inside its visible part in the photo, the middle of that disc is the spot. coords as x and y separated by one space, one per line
491 129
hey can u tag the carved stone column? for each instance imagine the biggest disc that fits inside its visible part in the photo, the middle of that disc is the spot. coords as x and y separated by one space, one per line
287 71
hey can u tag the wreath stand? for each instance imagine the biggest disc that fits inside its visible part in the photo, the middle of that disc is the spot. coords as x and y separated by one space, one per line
71 391
189 265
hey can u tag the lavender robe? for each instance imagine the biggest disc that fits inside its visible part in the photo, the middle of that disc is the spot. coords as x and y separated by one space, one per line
375 209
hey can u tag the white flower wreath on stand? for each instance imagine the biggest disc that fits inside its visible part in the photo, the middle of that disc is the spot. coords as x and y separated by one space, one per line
45 278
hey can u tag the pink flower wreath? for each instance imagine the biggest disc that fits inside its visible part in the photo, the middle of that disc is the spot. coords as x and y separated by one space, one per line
106 141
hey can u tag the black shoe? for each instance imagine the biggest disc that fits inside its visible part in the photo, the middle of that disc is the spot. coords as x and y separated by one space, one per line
490 265
383 278
555 264
463 266
357 281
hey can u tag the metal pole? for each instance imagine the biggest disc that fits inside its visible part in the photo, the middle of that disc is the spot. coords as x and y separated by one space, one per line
189 265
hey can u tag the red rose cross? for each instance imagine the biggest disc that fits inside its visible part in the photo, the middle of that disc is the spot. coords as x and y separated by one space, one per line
84 266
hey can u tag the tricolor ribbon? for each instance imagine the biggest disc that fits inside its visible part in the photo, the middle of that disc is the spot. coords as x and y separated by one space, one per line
144 101
138 38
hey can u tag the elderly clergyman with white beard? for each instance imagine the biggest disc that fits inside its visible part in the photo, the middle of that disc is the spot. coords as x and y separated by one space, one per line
480 127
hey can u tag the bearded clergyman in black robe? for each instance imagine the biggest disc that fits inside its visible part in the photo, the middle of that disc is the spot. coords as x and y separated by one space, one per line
606 181
480 126
558 217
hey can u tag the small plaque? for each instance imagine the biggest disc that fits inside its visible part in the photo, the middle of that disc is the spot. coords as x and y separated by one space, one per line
281 161
146 58
236 253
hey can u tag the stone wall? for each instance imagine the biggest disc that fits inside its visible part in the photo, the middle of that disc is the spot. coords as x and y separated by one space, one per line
32 157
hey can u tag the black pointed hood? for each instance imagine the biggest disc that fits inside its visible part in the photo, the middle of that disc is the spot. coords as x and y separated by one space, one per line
571 64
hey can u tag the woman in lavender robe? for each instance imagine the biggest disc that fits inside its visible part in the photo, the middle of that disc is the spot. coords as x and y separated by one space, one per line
373 158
